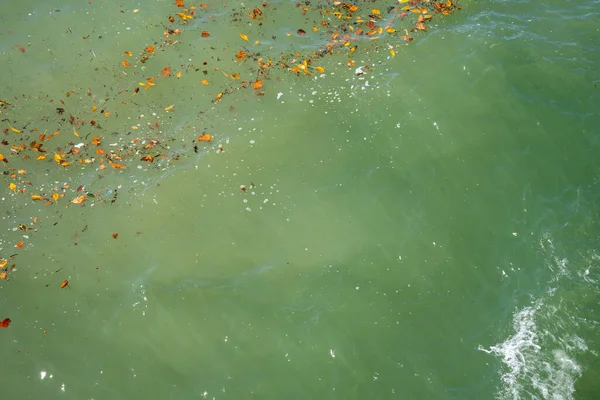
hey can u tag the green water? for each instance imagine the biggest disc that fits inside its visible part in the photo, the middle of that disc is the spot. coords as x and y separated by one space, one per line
425 230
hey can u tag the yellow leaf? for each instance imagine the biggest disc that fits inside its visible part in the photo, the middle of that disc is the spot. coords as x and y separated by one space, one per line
179 74
219 96
204 82
43 156
169 108
256 42
390 30
79 199
37 197
128 53
12 187
320 69
57 158
55 196
75 132
14 129
392 52
243 36
376 11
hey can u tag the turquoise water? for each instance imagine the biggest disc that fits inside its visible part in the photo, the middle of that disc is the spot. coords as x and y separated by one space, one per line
420 225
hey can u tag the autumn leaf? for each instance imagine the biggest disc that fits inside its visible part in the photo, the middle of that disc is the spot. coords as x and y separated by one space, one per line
125 64
75 132
258 84
55 196
320 69
204 82
235 75
5 323
219 96
375 11
147 158
12 187
169 108
115 235
150 49
301 32
420 26
240 55
2 158
179 3
38 197
14 129
166 71
96 141
243 36
117 166
128 53
64 284
205 137
2 274
20 244
43 156
79 199
205 34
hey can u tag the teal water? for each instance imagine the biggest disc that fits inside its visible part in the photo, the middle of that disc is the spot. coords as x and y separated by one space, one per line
424 228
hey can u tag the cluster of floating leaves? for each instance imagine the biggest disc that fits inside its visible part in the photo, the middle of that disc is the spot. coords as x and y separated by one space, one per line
344 28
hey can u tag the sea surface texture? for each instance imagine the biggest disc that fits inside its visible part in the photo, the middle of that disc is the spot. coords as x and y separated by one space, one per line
308 199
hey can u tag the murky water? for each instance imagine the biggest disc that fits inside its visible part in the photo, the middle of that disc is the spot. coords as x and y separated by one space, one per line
296 203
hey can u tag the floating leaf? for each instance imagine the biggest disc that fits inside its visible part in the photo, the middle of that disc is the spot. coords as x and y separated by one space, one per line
96 141
43 156
2 274
375 11
205 137
128 53
79 199
392 52
147 158
219 96
320 69
5 323
240 55
12 187
204 82
258 84
75 132
20 244
64 284
170 107
205 34
243 36
14 129
2 158
115 235
125 64
38 197
301 32
150 49
166 71
57 158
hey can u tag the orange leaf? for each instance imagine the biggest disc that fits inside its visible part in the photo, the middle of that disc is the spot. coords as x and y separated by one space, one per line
125 64
204 82
128 53
96 141
79 199
115 235
147 158
38 197
258 84
20 244
179 3
2 274
166 71
117 166
205 137
64 284
205 34
5 322
320 69
150 49
241 55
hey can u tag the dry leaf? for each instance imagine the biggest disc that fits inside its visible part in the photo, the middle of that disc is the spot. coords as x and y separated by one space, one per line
115 235
64 284
204 82
20 244
5 323
205 34
125 64
320 69
205 137
79 199
258 84
243 36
